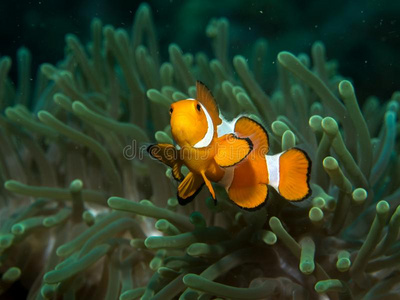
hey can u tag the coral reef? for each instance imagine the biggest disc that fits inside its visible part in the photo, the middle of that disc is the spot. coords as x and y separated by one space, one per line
75 219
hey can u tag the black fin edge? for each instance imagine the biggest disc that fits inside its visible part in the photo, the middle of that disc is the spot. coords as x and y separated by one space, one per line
261 205
148 149
254 121
185 201
308 176
202 83
249 142
177 179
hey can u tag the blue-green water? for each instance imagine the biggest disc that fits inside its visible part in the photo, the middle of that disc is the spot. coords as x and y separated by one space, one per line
362 35
86 87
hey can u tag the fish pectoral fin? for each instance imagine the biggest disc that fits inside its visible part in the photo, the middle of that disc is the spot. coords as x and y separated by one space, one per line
232 150
169 155
166 153
189 188
209 186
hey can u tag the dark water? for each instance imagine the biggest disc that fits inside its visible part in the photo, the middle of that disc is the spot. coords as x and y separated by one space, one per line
364 36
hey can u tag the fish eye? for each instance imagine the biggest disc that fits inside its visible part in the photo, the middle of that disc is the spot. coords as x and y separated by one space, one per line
198 107
170 110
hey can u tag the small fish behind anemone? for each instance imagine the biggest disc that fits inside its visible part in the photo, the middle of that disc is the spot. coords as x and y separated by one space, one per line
230 153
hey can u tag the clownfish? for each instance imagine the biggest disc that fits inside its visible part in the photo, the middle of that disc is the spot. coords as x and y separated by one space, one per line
230 153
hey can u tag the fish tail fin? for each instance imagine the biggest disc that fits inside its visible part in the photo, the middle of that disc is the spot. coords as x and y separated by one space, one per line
292 177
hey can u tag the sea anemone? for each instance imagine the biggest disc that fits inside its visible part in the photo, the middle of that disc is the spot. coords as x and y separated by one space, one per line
86 213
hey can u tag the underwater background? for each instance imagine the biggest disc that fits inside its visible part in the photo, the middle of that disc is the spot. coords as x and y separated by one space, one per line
86 85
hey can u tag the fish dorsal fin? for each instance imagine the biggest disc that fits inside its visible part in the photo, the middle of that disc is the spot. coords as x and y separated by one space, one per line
205 97
248 128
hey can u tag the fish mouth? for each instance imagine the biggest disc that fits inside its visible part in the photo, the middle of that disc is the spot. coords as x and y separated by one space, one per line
180 122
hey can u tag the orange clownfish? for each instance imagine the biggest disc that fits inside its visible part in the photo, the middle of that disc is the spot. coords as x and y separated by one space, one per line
230 153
